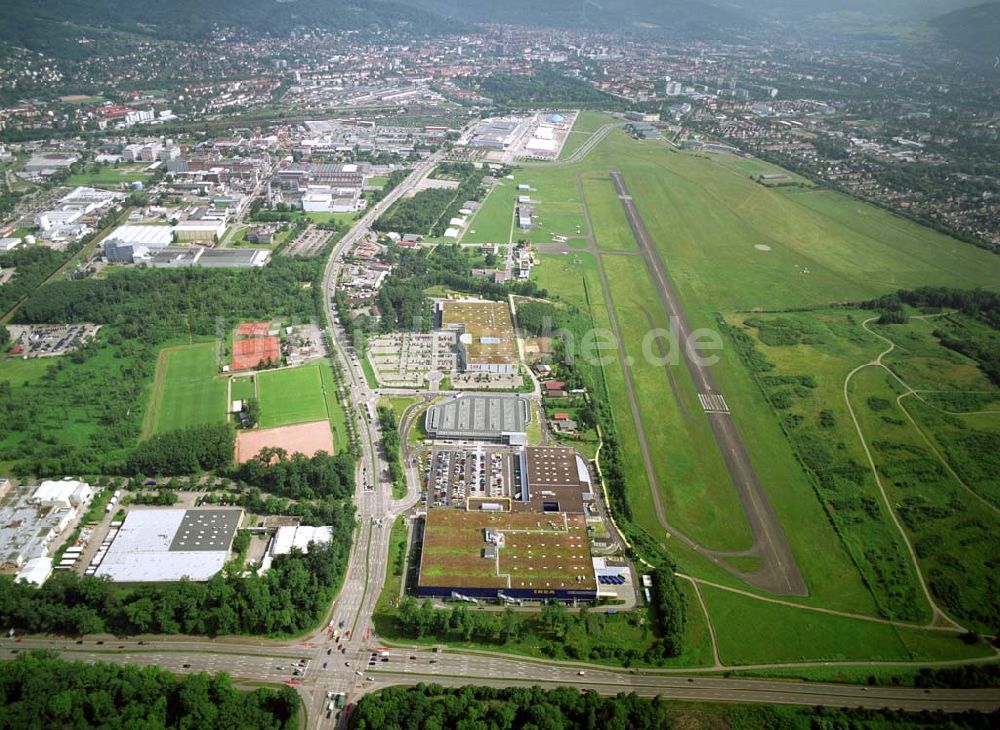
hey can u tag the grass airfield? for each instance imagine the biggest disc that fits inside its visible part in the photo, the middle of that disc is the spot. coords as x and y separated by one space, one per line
736 249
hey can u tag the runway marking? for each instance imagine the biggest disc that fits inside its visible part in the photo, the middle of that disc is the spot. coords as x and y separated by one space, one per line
713 403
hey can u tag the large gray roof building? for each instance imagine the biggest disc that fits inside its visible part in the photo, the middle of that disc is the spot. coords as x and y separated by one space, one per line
479 417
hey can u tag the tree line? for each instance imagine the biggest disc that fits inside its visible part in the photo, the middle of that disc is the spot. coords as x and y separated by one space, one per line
40 690
391 445
488 708
427 706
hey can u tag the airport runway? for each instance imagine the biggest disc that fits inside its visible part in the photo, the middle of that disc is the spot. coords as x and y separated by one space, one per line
778 573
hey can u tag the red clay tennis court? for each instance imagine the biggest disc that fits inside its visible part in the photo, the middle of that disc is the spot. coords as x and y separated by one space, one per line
253 329
303 438
249 354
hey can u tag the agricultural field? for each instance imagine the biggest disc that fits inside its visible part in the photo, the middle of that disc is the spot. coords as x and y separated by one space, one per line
187 389
733 246
111 177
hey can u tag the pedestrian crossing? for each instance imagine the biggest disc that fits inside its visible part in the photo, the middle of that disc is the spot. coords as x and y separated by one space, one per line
713 403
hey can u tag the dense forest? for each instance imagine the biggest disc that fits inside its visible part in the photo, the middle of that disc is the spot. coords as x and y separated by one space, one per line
487 708
298 476
32 266
289 598
154 305
40 690
428 212
184 451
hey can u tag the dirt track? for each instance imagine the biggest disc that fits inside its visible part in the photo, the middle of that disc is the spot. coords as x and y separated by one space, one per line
779 572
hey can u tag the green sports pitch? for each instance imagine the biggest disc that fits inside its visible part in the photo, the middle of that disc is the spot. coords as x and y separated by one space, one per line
291 395
187 389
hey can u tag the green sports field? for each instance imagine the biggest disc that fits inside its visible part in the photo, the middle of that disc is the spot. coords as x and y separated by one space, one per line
111 177
291 395
187 389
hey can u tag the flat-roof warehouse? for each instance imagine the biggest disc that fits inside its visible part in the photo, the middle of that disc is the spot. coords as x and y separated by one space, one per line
479 417
517 555
486 342
156 545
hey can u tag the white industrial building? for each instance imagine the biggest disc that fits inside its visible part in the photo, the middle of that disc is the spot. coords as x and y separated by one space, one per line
32 518
200 230
294 536
65 493
157 545
299 536
36 571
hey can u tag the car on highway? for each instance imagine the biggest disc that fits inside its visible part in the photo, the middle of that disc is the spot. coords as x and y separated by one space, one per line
324 665
580 673
329 651
359 673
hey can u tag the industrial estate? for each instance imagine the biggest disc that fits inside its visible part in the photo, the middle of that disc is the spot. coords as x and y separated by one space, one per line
536 360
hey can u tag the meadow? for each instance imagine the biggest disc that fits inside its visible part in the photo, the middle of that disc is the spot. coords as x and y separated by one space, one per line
785 634
243 388
187 389
606 214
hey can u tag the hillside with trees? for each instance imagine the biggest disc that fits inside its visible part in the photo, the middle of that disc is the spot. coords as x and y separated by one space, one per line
53 27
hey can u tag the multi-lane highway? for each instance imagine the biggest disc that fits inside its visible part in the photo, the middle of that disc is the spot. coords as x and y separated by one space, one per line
318 664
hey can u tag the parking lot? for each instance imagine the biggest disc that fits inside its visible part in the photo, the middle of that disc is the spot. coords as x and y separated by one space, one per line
456 475
50 340
404 360
309 243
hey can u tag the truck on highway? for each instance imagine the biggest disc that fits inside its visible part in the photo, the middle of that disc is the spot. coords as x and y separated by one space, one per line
341 700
